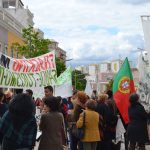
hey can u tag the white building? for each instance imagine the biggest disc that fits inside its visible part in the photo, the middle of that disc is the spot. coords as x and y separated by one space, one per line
17 10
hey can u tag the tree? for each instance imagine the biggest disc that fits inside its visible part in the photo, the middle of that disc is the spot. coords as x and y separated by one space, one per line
78 80
109 85
60 66
35 46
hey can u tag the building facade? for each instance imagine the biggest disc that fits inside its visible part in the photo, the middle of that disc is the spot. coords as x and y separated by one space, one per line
10 32
99 75
3 39
17 10
60 53
13 18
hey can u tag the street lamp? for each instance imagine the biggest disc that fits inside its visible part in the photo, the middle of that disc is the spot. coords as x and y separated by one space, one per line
69 59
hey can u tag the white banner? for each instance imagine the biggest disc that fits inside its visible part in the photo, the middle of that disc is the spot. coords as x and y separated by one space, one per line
62 87
146 29
144 84
120 130
88 88
37 64
64 90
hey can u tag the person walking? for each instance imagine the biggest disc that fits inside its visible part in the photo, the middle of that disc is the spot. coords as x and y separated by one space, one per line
78 109
51 125
94 95
137 127
48 90
8 97
91 127
3 106
3 109
18 125
103 110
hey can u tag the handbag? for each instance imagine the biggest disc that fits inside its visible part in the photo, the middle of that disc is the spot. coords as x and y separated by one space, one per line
79 132
65 147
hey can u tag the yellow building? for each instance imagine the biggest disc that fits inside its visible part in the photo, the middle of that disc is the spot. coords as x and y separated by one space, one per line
13 18
13 38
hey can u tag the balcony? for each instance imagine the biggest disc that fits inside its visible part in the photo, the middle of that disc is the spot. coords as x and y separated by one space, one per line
10 21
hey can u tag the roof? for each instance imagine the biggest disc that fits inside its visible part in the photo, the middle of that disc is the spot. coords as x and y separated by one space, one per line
21 2
134 69
13 1
52 40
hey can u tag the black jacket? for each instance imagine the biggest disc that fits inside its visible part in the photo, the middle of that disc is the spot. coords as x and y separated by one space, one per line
137 127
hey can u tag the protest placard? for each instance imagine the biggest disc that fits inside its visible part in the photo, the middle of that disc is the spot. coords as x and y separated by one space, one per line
37 64
10 79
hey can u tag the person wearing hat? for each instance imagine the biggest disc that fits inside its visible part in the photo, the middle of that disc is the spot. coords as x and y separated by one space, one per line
79 107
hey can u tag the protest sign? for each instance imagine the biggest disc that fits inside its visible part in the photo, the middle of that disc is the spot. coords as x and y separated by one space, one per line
10 79
144 81
63 86
66 76
37 64
64 90
120 130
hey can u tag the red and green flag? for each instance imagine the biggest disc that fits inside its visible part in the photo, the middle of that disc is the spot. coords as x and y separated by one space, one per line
123 87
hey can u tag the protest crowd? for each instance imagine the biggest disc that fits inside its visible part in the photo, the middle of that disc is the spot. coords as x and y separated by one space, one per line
80 122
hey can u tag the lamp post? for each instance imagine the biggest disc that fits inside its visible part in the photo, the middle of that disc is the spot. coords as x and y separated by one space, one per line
68 59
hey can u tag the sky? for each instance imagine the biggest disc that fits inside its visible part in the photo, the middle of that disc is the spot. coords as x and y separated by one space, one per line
91 31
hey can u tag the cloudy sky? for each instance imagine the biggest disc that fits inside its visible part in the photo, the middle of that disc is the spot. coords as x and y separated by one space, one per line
92 30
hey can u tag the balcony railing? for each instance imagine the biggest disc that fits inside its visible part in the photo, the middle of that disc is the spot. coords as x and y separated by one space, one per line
10 20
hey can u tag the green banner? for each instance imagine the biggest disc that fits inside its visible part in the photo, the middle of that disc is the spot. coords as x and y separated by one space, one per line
66 76
10 79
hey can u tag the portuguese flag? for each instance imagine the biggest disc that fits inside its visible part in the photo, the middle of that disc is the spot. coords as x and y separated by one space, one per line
123 87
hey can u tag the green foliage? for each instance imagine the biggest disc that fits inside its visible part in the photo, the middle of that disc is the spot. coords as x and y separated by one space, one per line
109 85
33 45
60 66
78 80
